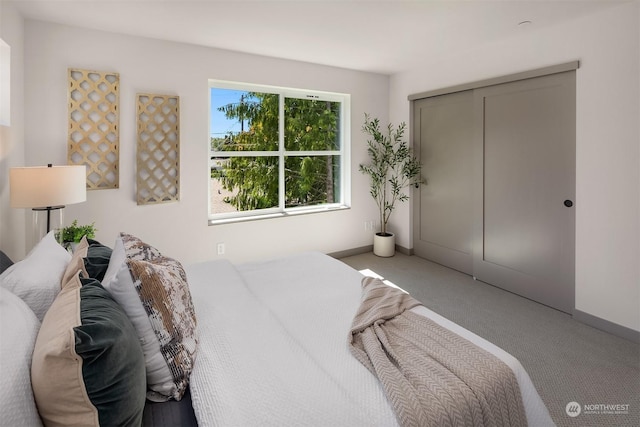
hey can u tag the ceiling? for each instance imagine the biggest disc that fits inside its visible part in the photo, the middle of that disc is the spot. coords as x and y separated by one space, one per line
382 36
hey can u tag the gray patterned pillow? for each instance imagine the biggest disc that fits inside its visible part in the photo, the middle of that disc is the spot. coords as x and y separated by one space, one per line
153 291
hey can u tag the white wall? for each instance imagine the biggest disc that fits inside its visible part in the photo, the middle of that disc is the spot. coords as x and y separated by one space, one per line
12 221
146 65
607 142
608 182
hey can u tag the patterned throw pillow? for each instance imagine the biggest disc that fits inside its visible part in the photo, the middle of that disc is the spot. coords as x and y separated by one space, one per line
153 291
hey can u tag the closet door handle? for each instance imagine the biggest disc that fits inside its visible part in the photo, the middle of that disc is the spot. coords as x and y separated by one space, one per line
568 203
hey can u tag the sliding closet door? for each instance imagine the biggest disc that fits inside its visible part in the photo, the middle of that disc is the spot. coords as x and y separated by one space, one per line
443 131
525 188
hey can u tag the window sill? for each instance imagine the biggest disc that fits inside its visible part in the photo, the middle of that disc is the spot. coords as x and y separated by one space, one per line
289 213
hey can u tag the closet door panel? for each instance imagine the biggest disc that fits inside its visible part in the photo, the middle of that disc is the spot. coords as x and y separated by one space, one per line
525 162
443 131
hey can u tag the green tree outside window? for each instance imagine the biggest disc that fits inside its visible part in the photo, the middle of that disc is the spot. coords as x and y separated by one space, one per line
310 125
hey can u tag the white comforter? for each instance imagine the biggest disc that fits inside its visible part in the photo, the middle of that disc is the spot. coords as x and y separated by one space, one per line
273 347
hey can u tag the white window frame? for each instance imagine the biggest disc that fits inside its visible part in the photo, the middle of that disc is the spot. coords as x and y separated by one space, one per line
344 153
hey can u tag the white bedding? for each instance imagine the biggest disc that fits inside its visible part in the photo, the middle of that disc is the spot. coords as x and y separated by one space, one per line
273 347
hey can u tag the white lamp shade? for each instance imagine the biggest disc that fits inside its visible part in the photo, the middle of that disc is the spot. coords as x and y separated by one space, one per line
42 186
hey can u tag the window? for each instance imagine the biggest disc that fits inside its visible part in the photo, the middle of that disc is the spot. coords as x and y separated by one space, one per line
276 151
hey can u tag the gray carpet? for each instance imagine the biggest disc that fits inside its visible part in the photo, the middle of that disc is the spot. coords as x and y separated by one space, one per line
567 361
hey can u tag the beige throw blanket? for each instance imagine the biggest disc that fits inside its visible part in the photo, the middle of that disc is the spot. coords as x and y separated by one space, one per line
432 376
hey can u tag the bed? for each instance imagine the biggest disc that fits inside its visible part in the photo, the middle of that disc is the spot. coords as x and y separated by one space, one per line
273 350
273 347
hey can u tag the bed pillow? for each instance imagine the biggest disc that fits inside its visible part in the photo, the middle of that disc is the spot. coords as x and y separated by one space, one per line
88 366
91 258
97 260
5 262
153 291
76 263
36 279
18 331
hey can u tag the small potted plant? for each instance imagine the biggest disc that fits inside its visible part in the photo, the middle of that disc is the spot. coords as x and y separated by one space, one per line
71 235
392 168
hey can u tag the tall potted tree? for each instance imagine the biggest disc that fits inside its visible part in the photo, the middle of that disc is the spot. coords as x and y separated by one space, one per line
391 169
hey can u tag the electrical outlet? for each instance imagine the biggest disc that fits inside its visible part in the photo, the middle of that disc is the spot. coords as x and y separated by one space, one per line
368 225
220 248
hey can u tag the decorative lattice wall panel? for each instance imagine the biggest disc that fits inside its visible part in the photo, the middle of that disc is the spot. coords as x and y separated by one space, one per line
158 157
94 126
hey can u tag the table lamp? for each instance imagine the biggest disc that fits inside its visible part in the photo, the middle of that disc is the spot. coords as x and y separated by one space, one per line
47 189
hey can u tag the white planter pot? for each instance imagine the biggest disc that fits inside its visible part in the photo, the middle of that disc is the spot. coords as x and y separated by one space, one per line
384 246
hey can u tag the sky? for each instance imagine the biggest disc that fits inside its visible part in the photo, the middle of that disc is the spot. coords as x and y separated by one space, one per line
220 125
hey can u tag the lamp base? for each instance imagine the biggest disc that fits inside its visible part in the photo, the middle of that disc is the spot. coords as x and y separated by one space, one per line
45 220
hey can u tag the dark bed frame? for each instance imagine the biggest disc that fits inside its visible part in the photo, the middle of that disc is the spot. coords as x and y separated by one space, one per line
170 413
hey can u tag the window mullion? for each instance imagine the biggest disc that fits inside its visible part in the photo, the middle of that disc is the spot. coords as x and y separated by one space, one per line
312 153
281 159
214 154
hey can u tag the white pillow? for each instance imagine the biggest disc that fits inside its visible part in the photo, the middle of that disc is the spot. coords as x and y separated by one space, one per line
18 332
168 368
36 279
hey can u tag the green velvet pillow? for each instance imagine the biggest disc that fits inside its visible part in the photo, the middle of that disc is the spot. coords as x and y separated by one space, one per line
113 362
97 259
86 327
